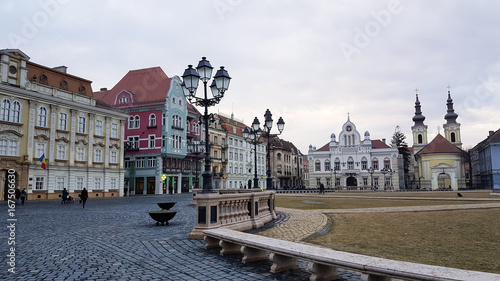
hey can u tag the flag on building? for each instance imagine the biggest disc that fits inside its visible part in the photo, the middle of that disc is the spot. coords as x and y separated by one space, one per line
44 164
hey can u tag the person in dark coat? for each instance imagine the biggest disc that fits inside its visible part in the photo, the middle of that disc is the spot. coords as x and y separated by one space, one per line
84 196
64 196
24 194
18 195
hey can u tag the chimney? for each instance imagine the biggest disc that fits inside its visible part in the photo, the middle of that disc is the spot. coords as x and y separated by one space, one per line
104 89
383 140
491 133
62 68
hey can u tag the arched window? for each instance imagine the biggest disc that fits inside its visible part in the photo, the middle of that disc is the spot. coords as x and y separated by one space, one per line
278 156
350 163
364 164
452 136
419 137
327 165
375 163
5 110
387 163
152 120
16 112
176 121
131 122
42 116
337 164
317 166
137 122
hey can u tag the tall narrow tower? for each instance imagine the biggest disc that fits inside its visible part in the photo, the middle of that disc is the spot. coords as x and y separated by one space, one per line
419 129
452 128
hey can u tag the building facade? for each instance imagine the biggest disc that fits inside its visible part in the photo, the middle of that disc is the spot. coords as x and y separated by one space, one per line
158 130
485 163
441 163
48 113
352 162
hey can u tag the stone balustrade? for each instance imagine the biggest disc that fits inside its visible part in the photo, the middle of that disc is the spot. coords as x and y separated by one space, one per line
323 263
236 209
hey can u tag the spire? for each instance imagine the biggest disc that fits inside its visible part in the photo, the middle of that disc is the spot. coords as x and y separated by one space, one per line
418 118
451 116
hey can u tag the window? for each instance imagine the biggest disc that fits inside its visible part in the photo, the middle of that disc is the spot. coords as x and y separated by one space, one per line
98 155
318 181
375 163
230 156
16 112
39 183
137 121
164 119
9 147
79 183
80 154
163 141
375 181
60 183
317 165
176 142
151 161
97 183
113 157
82 124
114 130
387 163
420 140
350 163
176 121
196 128
112 183
327 166
152 141
42 116
152 120
139 162
215 154
63 121
215 140
10 111
452 136
337 164
133 142
278 157
5 110
131 122
98 128
364 164
39 150
61 152
365 181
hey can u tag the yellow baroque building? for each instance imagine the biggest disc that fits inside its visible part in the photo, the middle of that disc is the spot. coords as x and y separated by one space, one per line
47 112
439 164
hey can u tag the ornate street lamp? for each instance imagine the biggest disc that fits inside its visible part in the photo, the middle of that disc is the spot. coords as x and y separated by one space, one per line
335 170
218 87
196 148
387 171
252 136
267 127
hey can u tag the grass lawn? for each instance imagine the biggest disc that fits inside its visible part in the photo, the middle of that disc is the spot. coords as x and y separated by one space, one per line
467 239
461 239
326 202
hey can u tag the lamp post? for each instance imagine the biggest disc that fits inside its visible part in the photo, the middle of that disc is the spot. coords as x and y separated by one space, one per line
252 136
335 178
219 85
267 126
371 171
196 148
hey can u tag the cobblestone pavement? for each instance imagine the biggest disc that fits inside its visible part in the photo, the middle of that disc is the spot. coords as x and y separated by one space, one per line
115 239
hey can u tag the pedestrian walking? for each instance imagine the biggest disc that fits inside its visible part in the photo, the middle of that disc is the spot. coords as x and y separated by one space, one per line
64 196
84 196
18 195
23 196
321 188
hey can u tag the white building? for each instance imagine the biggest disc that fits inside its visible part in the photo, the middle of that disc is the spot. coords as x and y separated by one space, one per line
354 162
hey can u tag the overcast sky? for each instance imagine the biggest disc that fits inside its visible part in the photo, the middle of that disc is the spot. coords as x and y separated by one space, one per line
311 62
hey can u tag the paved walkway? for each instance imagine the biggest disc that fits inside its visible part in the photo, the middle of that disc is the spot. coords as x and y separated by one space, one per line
115 239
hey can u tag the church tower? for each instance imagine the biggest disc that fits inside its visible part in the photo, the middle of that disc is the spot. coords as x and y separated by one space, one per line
419 130
452 128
